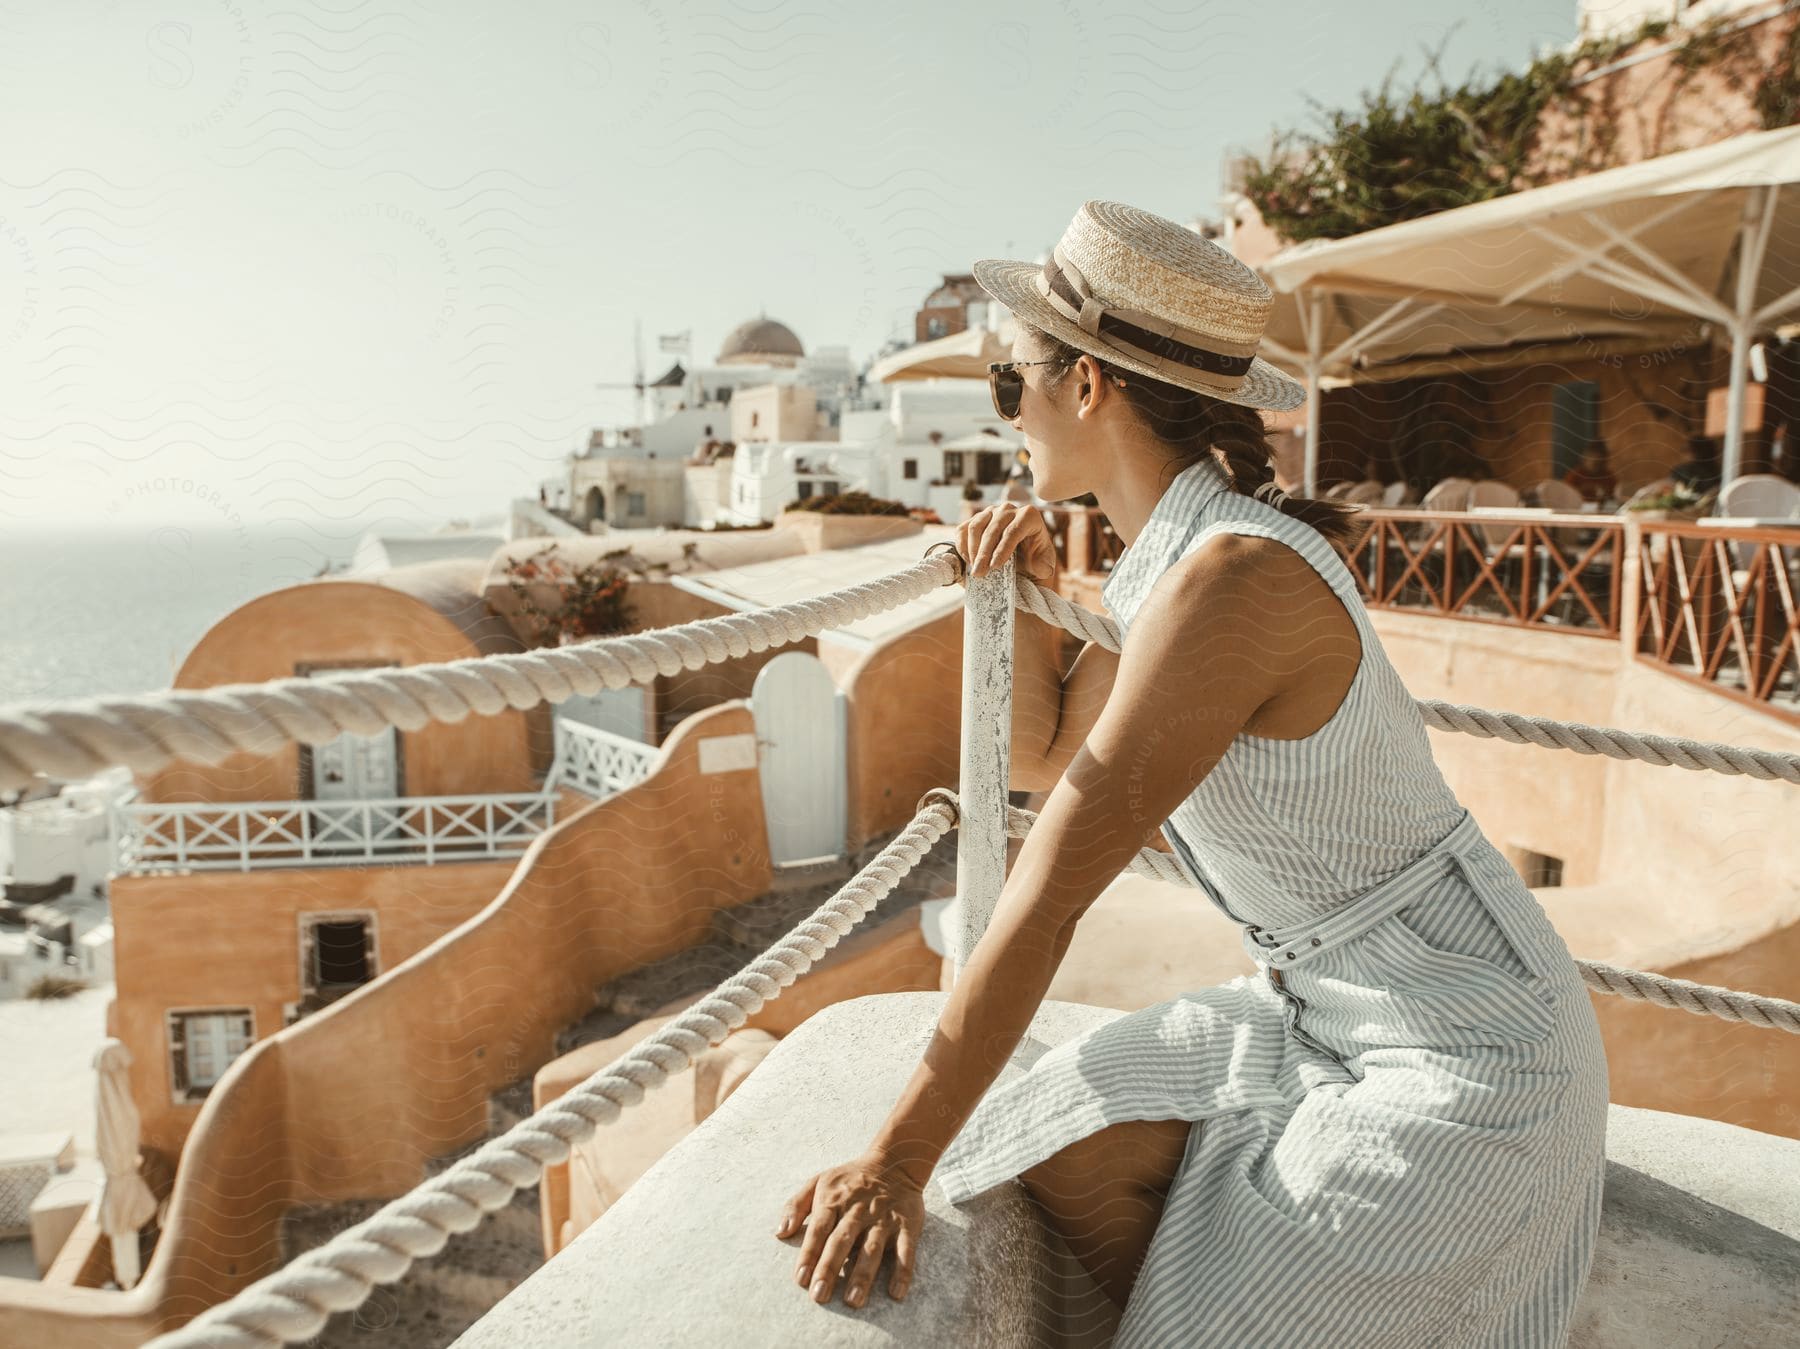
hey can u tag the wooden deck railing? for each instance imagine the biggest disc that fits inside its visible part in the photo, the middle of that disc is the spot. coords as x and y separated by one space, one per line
1534 570
1716 605
1085 539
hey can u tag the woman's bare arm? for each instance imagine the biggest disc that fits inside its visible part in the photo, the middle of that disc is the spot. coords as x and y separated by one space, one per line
1193 672
1196 667
1085 691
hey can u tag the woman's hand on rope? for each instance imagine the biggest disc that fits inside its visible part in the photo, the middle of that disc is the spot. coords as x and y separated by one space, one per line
851 1214
990 536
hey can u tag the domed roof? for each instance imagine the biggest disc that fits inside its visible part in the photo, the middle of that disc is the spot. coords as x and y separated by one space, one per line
761 341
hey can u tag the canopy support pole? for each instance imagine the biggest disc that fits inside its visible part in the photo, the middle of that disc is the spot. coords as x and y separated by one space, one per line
1731 463
1312 313
1753 239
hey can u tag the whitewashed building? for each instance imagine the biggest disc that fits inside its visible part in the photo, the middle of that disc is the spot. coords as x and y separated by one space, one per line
762 387
932 441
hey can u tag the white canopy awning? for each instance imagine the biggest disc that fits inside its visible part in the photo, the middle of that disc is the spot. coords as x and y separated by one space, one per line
1647 250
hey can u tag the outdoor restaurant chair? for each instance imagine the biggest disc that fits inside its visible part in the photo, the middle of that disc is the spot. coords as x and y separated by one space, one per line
1505 553
1450 494
1500 495
1554 494
1337 489
1399 494
1365 493
1761 497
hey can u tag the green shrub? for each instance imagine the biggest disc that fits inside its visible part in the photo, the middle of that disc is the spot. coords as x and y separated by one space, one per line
1403 154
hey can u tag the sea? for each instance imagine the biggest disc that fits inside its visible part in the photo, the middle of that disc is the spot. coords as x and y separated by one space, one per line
92 611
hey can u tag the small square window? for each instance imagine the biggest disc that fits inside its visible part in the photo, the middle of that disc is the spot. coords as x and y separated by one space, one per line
203 1044
1541 870
909 469
634 503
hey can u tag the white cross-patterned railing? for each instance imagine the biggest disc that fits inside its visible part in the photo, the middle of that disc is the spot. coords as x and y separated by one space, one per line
246 835
243 835
598 762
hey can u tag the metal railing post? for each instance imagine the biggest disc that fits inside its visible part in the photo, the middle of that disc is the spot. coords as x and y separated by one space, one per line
986 770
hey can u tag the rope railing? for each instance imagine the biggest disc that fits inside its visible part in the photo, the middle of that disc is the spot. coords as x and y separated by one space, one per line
1752 1009
1661 750
294 1302
76 739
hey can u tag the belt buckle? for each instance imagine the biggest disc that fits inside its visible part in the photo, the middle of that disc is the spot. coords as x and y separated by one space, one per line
1254 933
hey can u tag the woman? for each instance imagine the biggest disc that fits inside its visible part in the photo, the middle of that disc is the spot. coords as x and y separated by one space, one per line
1393 1133
1593 476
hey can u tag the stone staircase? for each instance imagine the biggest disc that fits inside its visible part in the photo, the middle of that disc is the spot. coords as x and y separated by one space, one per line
441 1297
741 934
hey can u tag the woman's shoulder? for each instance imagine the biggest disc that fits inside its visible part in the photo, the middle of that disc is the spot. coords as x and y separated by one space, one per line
1266 571
1265 534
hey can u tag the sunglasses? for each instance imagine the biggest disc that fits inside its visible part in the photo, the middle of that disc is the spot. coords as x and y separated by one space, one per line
1008 385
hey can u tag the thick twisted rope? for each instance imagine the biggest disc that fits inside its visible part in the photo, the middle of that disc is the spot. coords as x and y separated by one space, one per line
1662 750
293 1303
1753 1009
76 739
1700 999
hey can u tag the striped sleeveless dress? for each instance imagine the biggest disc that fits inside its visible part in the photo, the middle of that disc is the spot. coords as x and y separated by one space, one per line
1402 1115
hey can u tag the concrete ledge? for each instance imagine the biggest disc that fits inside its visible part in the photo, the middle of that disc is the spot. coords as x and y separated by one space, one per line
1701 1241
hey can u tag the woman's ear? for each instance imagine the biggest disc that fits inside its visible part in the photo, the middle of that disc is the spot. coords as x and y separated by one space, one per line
1089 371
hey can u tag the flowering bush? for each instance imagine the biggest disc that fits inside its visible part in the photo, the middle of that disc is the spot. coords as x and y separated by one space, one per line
591 596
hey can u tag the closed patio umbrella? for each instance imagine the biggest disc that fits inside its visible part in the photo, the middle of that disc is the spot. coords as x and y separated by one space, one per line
963 355
126 1203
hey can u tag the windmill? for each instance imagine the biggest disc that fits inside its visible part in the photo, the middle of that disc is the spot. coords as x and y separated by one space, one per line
638 383
681 342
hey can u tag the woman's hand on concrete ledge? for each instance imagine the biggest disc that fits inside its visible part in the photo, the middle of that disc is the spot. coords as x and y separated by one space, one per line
851 1214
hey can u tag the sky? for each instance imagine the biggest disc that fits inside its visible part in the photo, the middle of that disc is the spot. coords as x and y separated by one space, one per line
331 268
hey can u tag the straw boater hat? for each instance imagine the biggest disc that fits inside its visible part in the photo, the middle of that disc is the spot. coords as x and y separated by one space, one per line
1151 296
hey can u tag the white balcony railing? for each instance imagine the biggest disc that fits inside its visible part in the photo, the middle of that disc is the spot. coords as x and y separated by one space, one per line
241 835
598 762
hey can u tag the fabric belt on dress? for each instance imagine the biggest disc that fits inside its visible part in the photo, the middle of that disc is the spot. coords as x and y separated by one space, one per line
1291 947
